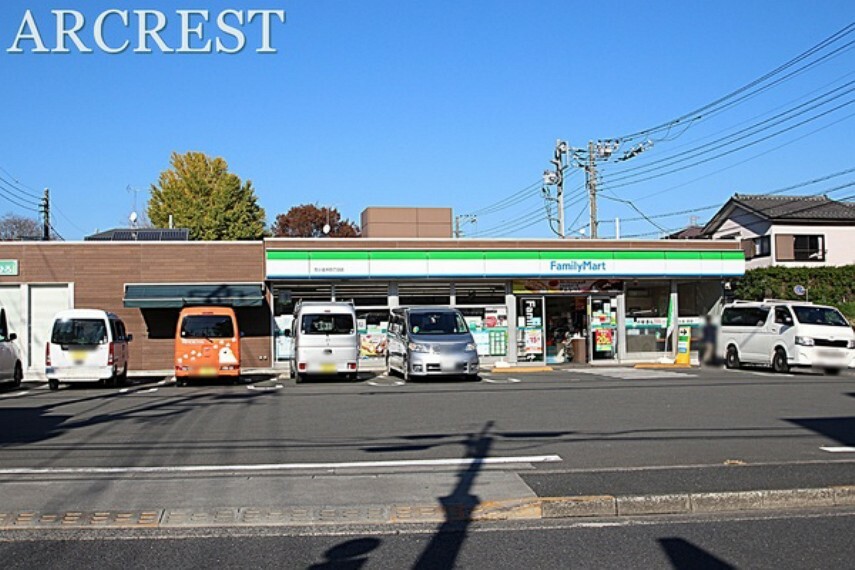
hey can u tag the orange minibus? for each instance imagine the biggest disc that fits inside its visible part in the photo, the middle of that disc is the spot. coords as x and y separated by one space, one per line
207 343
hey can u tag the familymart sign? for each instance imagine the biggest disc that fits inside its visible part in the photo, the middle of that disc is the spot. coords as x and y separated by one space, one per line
349 264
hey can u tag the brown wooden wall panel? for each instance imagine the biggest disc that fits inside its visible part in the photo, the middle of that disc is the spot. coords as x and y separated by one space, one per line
99 272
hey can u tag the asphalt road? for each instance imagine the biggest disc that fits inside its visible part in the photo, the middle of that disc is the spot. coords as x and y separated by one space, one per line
606 419
774 540
604 431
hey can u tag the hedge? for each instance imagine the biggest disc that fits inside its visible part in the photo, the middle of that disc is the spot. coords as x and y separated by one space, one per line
825 285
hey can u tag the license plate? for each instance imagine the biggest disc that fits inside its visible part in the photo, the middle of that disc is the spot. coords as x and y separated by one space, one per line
328 368
208 371
77 356
831 353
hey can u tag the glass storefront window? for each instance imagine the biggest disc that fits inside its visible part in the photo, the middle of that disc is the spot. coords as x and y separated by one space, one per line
695 301
363 294
647 316
479 293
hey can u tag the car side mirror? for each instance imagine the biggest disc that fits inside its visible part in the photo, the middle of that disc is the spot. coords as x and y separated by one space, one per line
129 338
12 336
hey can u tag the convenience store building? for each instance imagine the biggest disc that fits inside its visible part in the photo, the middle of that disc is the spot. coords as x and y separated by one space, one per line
525 300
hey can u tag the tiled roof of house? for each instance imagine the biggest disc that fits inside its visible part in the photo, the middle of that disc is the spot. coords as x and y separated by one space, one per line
777 207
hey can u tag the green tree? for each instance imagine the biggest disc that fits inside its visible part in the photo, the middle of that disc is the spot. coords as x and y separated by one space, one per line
307 220
203 196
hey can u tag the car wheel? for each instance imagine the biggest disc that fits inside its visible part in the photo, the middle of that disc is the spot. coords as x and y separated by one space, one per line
832 371
298 378
180 382
122 379
779 362
53 384
291 370
405 374
19 375
388 371
731 360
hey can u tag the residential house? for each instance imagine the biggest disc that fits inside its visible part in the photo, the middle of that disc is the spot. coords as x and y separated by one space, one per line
811 231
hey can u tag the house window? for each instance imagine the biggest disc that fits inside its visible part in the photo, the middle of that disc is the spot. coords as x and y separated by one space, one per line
790 247
762 246
809 248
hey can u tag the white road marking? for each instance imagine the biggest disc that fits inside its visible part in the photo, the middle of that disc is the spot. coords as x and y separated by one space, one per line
124 390
505 381
152 390
283 466
16 394
264 388
840 449
384 384
161 383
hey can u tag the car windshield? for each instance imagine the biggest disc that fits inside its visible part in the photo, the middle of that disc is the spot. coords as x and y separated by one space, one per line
327 324
437 323
820 316
207 326
79 331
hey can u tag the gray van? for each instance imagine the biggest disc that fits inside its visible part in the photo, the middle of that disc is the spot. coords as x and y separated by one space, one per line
430 341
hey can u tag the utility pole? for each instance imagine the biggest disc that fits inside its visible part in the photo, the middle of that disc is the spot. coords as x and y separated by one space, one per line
591 178
46 213
556 178
462 219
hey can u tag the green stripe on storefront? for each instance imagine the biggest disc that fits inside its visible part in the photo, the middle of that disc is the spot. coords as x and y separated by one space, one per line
288 255
340 255
412 255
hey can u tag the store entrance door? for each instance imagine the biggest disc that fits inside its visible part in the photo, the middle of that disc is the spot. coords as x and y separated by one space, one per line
603 332
566 329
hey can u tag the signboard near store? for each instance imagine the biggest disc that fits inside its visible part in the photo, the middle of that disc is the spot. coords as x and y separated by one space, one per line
8 267
547 286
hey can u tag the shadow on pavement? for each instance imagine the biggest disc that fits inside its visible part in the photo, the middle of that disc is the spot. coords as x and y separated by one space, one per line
684 556
349 555
842 429
445 544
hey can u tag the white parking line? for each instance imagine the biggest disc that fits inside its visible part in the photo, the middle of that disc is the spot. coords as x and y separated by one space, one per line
16 394
285 466
384 384
840 449
504 381
264 388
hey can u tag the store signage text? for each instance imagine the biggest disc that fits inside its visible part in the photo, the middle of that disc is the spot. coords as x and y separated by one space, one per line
576 266
8 267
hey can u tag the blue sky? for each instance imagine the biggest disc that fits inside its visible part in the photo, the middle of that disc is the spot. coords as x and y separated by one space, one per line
435 103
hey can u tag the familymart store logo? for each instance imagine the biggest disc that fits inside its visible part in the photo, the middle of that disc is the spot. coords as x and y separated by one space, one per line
147 31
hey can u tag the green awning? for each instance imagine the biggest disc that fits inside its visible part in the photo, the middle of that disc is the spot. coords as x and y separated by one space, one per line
179 295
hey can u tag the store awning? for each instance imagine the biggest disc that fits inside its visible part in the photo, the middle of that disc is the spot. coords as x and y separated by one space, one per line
178 295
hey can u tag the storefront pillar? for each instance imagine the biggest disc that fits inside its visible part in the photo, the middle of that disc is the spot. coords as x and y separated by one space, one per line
621 326
393 295
675 302
511 304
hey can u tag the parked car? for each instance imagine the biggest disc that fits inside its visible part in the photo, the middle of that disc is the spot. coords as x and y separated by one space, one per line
430 341
11 368
87 345
783 334
325 340
207 344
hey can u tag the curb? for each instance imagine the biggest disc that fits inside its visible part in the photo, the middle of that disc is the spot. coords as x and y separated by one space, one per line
513 509
658 366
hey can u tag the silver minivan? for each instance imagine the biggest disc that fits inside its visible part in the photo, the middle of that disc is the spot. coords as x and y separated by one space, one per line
430 341
325 340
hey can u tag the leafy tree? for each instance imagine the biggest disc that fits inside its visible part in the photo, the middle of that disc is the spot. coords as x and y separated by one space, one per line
307 220
202 195
15 227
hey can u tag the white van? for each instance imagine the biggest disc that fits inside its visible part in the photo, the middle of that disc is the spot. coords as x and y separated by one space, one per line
87 345
325 340
11 367
782 334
